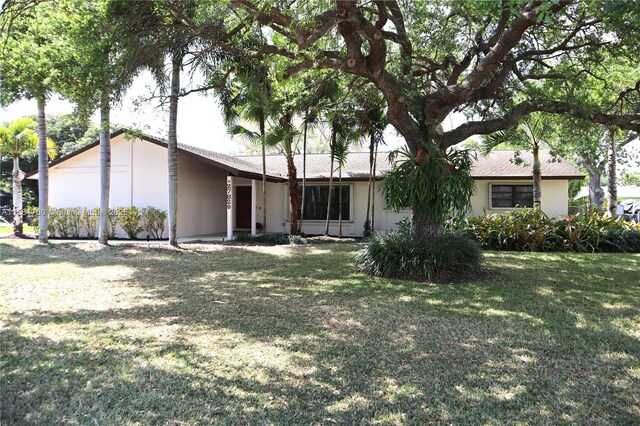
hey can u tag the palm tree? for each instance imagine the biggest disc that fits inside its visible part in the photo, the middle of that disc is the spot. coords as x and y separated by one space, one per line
372 121
282 137
249 98
18 140
530 133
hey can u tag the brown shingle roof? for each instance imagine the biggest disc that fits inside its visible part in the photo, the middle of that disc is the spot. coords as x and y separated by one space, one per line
496 165
503 164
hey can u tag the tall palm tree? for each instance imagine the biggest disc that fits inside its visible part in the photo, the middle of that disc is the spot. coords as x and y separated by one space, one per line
249 98
18 140
282 136
372 122
531 133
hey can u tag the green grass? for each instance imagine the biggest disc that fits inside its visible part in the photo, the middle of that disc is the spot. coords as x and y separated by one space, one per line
8 229
133 334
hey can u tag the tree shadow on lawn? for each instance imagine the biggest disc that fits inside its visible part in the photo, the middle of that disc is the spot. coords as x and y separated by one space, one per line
306 339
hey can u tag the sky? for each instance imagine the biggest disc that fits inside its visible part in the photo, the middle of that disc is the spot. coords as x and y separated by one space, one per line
199 117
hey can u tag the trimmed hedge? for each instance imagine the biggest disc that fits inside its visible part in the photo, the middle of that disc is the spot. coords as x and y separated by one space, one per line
532 230
77 222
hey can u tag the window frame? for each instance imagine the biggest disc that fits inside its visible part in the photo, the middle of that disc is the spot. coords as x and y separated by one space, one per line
512 185
335 185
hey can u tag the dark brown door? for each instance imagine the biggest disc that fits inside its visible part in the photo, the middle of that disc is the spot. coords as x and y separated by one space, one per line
243 207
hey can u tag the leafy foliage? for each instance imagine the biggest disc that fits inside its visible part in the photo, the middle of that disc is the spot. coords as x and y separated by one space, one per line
395 254
153 221
531 230
130 219
434 187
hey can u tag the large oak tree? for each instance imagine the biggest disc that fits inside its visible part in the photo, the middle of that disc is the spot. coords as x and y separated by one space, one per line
430 59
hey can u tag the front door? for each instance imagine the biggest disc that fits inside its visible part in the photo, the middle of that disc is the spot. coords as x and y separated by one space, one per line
243 207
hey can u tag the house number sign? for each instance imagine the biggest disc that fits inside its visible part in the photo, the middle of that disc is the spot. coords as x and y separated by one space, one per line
228 195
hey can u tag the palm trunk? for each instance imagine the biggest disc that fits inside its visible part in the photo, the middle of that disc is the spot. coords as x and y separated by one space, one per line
304 170
172 149
293 193
340 201
373 189
613 179
537 177
105 168
264 174
43 174
17 176
367 223
332 149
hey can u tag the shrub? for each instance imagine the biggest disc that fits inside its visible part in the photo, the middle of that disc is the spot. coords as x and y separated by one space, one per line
74 220
532 230
90 221
112 221
395 254
153 220
129 219
274 239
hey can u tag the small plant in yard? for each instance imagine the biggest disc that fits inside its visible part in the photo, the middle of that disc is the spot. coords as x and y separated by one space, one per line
395 254
153 221
273 239
130 221
90 221
75 221
113 220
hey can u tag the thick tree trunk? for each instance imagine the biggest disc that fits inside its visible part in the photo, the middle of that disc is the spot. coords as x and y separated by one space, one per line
613 179
537 177
172 149
332 149
17 177
264 174
423 229
304 170
368 222
105 168
293 194
43 174
596 194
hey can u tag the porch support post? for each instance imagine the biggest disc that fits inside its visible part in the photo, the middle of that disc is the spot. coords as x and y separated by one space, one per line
253 207
230 206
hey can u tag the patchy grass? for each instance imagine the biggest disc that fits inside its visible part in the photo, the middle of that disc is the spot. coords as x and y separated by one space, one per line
133 334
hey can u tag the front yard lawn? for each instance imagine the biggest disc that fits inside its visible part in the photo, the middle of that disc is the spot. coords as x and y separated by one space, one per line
139 334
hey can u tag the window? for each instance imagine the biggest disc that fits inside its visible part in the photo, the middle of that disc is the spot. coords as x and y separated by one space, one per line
506 196
315 207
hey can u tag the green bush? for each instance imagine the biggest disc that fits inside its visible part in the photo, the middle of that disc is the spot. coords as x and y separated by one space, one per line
274 239
395 254
153 221
532 230
130 220
74 220
90 221
112 221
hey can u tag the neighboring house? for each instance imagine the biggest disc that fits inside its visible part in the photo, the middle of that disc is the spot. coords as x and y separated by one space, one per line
628 192
222 194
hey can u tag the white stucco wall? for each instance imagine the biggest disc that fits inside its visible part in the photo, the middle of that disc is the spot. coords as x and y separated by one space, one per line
554 202
139 178
201 197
